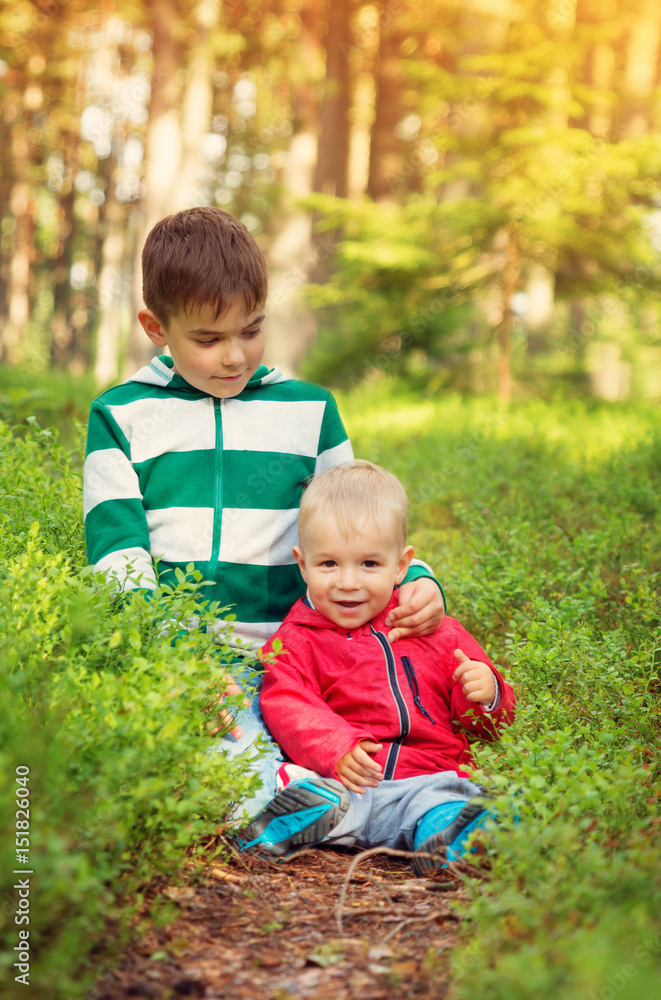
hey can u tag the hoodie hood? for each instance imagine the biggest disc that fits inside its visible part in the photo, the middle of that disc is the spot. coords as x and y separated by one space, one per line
304 614
160 371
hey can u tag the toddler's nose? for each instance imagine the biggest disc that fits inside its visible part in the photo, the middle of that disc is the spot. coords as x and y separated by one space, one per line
348 579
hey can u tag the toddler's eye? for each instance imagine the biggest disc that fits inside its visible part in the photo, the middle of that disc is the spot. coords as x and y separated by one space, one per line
370 563
328 563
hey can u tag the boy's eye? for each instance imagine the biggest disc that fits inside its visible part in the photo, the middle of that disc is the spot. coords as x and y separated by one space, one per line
207 343
328 563
252 333
370 563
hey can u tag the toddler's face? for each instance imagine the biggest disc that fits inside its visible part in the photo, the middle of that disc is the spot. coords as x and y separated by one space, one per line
350 577
218 356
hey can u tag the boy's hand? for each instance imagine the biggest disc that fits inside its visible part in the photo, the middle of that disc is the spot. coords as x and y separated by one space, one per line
420 610
477 680
357 770
224 717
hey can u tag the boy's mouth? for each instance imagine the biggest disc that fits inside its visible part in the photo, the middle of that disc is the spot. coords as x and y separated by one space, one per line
350 604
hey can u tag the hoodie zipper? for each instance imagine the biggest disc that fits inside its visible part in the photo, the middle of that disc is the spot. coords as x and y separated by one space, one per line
404 720
218 509
415 690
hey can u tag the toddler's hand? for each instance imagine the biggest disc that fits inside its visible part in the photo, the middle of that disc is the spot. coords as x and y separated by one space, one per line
477 680
357 770
420 610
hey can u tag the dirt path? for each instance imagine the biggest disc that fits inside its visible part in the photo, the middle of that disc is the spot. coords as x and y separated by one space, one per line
260 931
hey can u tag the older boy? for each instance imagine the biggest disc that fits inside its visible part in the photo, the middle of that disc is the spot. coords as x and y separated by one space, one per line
200 456
382 731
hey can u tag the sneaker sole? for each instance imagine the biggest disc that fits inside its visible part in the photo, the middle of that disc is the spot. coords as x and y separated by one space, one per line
452 838
301 815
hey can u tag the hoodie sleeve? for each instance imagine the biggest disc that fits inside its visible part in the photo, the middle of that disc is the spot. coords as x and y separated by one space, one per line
474 718
309 732
334 446
418 569
115 521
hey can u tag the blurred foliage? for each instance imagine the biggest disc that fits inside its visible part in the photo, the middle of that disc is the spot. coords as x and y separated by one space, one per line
401 284
61 401
512 188
510 148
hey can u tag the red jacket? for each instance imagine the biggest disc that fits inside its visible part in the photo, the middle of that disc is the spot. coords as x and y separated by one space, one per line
329 689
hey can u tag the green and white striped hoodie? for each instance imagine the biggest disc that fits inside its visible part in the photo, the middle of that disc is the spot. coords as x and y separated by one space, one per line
177 476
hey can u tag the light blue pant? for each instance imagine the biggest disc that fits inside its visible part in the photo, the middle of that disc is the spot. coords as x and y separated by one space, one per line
388 815
264 766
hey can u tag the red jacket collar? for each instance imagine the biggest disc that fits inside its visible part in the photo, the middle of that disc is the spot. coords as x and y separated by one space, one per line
303 614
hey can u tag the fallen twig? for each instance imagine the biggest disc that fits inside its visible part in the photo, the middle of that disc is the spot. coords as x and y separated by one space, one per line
438 915
391 852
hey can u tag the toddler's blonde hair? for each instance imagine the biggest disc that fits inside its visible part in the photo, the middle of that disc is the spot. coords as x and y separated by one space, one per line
354 493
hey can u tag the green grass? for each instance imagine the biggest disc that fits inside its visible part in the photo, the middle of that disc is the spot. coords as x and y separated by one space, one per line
60 401
107 716
542 523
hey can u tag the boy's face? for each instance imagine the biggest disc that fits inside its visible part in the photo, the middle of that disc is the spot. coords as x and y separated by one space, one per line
351 577
217 356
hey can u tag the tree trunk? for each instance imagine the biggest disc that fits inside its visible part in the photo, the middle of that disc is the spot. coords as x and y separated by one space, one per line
641 68
310 48
6 181
331 172
598 69
366 47
18 285
482 26
540 284
386 166
197 109
295 254
163 149
510 277
111 292
60 325
330 176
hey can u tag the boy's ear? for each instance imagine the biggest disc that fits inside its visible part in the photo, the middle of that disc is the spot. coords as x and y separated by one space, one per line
404 563
298 556
153 327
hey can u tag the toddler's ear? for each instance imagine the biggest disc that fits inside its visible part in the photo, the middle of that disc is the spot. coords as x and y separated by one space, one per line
298 556
404 563
153 327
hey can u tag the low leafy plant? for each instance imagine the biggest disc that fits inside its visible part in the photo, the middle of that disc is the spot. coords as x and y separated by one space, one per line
104 707
542 524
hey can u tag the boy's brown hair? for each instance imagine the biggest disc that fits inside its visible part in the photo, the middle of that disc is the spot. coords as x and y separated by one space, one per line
201 258
353 493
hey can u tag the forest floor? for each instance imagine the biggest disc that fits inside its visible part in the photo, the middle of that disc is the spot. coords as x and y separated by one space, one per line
325 925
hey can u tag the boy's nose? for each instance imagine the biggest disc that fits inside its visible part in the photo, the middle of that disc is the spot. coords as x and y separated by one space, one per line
233 355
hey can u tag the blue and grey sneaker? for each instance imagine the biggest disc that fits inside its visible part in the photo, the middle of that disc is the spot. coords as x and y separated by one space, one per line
300 815
445 829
